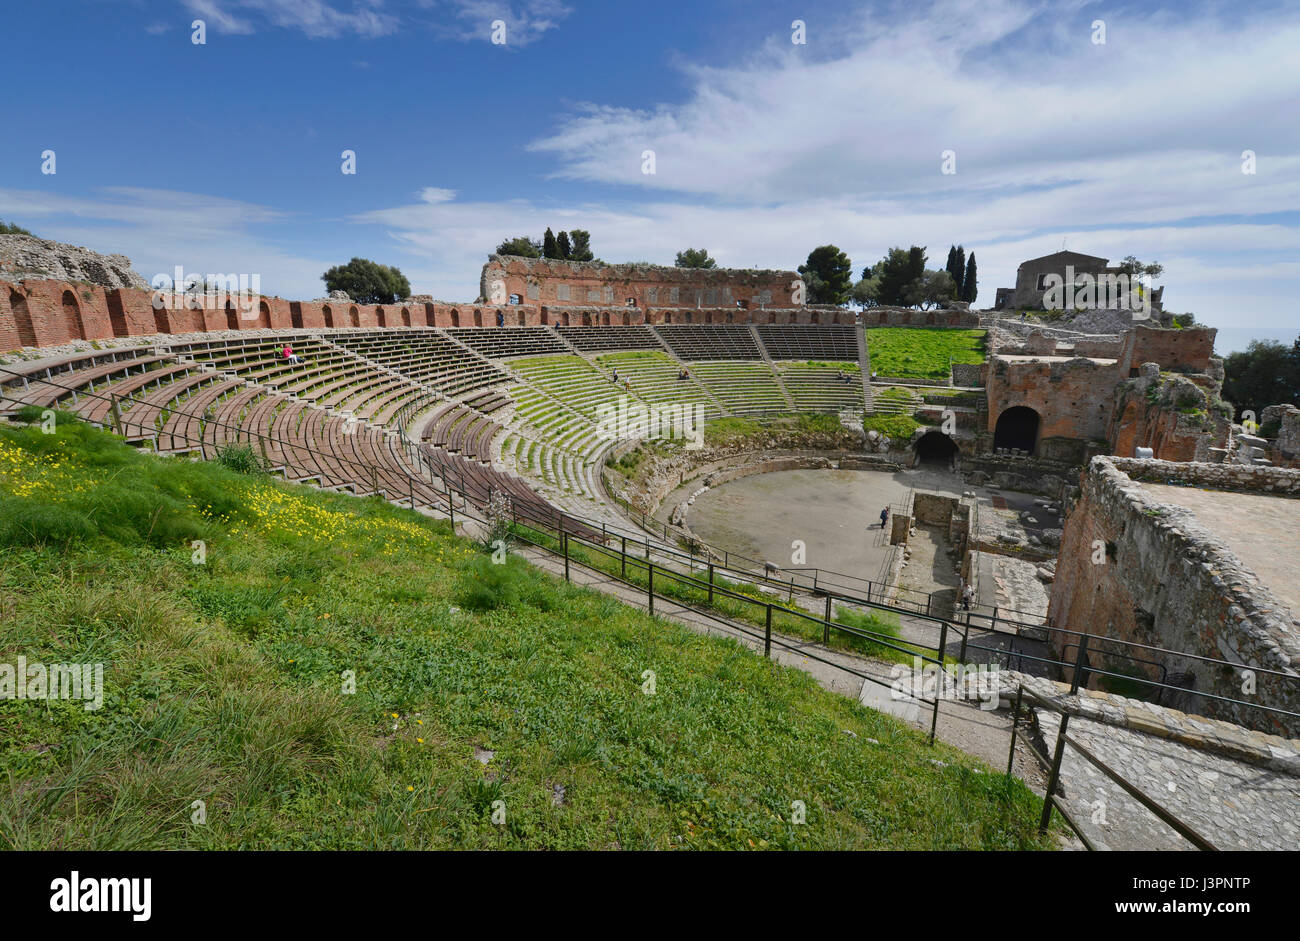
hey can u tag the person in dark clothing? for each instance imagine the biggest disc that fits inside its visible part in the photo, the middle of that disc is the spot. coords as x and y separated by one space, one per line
884 517
501 319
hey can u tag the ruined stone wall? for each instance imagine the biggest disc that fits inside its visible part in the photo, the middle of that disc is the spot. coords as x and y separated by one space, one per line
1168 582
554 283
907 317
1073 398
1186 350
1172 415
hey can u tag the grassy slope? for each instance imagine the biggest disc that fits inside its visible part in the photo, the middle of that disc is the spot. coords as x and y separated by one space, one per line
918 353
223 684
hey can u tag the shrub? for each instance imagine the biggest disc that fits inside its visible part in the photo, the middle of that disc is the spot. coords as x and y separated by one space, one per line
240 458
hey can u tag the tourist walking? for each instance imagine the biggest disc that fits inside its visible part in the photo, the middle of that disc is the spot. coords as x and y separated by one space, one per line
884 517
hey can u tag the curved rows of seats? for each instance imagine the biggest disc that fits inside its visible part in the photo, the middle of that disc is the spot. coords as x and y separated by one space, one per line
655 378
744 388
498 343
809 341
817 387
424 356
607 339
710 341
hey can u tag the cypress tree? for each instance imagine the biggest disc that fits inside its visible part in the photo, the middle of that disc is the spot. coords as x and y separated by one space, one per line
549 248
562 243
970 286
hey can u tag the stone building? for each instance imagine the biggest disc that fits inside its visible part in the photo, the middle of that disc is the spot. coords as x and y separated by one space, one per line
514 280
1033 280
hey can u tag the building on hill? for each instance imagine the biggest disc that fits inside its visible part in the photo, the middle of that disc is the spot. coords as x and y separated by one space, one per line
514 280
1034 280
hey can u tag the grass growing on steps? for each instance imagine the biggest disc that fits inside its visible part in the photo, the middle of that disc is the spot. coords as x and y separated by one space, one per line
918 353
224 682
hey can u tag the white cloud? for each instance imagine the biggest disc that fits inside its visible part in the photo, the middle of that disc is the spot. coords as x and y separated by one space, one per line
315 18
526 20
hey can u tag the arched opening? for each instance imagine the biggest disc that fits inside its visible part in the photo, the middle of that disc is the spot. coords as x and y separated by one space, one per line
478 317
1017 428
935 447
455 317
232 318
22 319
263 315
295 315
380 317
116 313
328 313
354 316
604 319
406 317
72 317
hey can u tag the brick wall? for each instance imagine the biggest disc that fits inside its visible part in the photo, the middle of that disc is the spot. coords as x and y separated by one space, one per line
1168 582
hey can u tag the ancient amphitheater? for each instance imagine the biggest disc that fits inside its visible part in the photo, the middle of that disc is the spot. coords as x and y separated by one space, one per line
1018 469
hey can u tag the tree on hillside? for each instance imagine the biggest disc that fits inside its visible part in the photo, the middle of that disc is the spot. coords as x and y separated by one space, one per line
563 244
520 245
368 282
581 245
695 258
549 248
970 284
9 228
1132 267
827 275
930 290
898 272
1266 373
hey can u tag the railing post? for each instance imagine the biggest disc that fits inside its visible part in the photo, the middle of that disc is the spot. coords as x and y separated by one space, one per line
410 490
117 412
1078 663
710 583
622 555
650 585
1015 715
826 623
1055 774
564 544
767 633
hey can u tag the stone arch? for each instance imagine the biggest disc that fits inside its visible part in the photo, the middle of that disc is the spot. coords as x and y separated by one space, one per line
604 318
22 319
478 317
406 316
354 316
381 319
328 313
72 317
935 447
295 315
263 316
116 313
1018 428
455 317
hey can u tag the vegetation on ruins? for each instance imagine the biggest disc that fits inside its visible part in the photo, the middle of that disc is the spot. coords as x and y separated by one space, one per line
695 258
827 274
227 681
1265 373
567 246
898 427
900 279
918 353
11 228
368 282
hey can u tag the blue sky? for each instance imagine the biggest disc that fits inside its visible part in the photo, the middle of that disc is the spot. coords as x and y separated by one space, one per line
225 157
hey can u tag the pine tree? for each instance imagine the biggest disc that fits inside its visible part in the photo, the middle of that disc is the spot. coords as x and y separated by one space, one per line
562 243
581 245
970 285
549 248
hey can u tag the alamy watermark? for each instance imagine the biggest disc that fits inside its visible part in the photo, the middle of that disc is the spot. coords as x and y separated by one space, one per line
631 419
35 680
965 682
1106 291
191 291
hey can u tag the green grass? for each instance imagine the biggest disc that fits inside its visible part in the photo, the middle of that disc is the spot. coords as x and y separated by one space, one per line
733 431
224 683
901 427
919 353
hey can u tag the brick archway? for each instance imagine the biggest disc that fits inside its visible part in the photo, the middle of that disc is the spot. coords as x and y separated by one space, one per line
1017 428
22 319
72 317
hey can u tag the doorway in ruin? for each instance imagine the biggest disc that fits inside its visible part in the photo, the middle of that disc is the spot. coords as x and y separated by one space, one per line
1017 428
935 447
72 317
